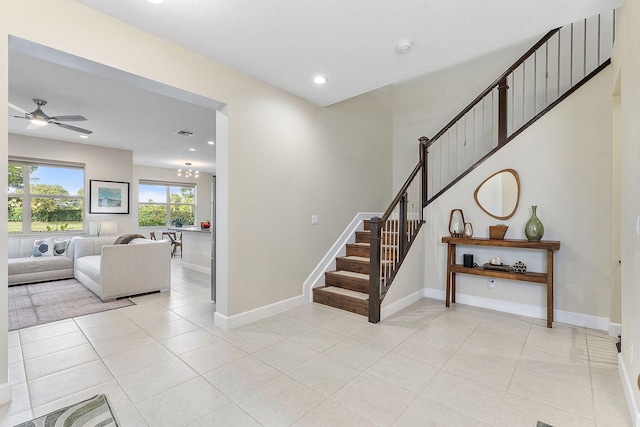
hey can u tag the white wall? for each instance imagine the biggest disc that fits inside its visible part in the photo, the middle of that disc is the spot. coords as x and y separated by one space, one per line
307 161
100 163
5 387
626 63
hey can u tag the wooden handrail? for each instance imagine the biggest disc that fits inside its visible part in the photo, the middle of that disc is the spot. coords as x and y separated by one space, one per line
519 131
496 82
403 190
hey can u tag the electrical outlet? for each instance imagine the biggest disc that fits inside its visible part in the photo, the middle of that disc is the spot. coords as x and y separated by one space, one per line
315 219
638 225
491 284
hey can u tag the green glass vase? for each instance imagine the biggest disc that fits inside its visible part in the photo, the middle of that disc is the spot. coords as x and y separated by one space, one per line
534 230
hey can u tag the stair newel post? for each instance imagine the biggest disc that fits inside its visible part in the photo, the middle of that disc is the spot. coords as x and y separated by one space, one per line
502 111
424 153
375 243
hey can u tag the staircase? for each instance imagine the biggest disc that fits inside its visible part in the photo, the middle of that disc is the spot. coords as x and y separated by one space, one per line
556 66
347 288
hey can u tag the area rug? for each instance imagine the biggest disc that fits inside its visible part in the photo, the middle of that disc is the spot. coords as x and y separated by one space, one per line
92 412
46 302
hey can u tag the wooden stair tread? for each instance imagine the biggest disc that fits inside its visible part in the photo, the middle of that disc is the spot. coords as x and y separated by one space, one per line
355 258
350 274
362 259
367 245
345 292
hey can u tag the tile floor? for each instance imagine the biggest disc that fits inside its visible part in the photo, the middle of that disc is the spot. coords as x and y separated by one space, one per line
164 363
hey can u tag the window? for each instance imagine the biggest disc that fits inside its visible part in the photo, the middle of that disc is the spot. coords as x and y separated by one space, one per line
161 204
53 200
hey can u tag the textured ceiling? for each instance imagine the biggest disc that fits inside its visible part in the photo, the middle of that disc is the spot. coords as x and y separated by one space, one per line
287 42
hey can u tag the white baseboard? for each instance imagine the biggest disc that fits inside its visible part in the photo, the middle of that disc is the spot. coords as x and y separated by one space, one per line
396 306
634 414
434 293
220 320
338 249
537 312
614 329
229 322
6 393
196 267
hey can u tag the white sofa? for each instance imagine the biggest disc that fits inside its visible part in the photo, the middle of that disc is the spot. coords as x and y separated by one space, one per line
113 271
24 268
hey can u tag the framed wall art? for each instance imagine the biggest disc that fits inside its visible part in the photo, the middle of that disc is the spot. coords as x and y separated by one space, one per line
108 197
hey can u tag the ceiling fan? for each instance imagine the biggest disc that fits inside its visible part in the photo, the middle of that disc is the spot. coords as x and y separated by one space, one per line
38 118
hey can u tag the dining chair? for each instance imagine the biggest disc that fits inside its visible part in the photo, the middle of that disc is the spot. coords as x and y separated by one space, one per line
176 241
152 235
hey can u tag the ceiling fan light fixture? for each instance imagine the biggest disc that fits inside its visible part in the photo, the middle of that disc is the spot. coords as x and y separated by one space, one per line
39 118
38 122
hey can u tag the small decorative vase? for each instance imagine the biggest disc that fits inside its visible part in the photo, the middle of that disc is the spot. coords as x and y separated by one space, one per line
534 230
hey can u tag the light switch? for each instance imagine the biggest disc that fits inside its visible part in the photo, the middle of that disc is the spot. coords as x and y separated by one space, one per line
638 225
315 219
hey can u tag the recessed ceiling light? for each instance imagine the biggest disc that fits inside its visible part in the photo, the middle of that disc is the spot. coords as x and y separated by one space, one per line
155 1
319 80
192 149
211 142
84 136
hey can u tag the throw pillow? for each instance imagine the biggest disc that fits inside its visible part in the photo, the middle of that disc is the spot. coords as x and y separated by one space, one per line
60 247
126 238
43 247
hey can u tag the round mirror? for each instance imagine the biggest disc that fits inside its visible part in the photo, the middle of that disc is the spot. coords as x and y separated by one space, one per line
499 194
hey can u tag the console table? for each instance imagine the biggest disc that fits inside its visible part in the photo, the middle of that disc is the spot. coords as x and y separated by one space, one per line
542 278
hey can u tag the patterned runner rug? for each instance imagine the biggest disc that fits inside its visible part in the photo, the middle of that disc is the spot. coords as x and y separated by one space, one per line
46 302
89 413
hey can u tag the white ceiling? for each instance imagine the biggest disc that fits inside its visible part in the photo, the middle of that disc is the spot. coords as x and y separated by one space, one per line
282 42
287 42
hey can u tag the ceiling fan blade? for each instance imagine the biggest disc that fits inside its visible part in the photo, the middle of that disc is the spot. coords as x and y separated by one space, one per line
15 107
70 118
19 117
74 128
